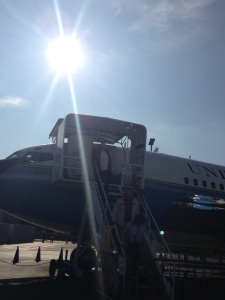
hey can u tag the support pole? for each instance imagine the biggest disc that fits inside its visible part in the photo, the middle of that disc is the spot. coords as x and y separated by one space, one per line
80 237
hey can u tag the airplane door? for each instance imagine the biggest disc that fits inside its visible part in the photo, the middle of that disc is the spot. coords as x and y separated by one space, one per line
79 154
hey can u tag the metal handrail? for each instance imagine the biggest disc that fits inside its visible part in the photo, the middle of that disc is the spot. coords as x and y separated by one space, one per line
105 206
127 172
150 220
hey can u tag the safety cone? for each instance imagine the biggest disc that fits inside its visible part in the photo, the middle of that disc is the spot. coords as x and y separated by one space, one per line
38 256
61 255
16 257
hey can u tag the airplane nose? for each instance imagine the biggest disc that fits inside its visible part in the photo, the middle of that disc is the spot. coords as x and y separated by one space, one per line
7 163
8 190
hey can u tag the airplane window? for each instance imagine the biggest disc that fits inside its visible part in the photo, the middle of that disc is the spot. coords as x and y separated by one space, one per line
195 182
213 185
221 186
45 157
186 180
204 183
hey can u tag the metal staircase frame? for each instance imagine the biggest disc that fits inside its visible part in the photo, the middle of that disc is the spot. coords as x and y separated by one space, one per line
99 210
158 248
97 204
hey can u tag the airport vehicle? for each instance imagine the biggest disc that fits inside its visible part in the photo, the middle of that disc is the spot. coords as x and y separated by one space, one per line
47 184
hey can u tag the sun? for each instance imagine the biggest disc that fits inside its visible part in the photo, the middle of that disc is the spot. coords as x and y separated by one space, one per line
65 55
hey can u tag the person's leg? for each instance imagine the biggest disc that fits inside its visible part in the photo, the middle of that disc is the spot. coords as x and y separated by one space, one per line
102 176
135 254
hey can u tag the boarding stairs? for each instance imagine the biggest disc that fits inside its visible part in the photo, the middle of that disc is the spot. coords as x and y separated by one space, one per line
105 236
150 280
103 211
98 208
95 269
151 276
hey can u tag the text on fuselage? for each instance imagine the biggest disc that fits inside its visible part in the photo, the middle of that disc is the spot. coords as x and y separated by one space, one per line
210 172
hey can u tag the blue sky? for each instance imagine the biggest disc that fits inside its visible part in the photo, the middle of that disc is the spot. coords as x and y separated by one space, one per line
155 62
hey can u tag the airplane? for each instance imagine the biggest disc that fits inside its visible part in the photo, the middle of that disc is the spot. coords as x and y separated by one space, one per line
45 184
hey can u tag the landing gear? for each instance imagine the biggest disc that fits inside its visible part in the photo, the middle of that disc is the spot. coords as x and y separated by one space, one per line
53 266
86 258
81 264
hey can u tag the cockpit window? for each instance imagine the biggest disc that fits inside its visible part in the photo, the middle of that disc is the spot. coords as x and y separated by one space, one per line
14 155
38 157
31 157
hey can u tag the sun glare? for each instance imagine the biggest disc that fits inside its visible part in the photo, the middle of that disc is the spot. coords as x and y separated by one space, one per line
65 55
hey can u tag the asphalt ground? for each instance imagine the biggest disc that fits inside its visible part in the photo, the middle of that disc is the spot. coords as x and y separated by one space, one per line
27 267
28 279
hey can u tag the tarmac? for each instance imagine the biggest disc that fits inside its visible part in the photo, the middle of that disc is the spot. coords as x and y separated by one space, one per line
24 268
27 255
24 272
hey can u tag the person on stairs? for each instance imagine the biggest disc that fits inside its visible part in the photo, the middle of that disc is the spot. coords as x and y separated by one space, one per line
132 240
103 164
125 209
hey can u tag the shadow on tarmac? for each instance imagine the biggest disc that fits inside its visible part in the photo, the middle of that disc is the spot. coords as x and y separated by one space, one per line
43 288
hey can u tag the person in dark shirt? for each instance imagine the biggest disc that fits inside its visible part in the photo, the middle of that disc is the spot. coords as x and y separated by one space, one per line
134 231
